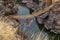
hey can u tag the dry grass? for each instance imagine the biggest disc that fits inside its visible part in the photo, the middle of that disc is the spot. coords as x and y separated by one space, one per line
9 32
40 36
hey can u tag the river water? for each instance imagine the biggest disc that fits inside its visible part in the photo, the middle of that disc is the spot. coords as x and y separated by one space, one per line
32 29
30 26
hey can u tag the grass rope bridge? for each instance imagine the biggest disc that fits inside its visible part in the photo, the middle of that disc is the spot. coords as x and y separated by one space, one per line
33 14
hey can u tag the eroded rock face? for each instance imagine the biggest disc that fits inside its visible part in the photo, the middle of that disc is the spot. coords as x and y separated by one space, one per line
51 21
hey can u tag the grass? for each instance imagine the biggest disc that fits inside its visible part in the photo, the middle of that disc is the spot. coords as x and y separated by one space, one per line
50 36
8 31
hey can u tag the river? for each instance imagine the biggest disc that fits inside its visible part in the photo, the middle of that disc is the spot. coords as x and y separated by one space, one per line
31 27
